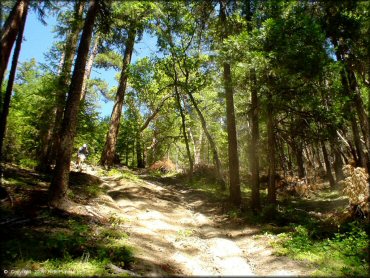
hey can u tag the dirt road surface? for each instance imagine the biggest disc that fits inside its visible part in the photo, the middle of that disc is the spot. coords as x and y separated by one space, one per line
178 231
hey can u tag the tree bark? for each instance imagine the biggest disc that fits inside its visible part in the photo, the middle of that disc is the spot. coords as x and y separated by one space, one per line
329 174
338 162
234 176
298 151
254 144
139 151
271 194
357 141
9 34
59 184
109 150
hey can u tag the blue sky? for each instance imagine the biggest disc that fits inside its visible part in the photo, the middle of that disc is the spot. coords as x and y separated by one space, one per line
38 39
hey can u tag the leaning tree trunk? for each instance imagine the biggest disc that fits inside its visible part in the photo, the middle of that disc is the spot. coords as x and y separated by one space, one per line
90 62
109 150
63 83
9 88
362 116
13 69
211 143
9 34
234 177
59 184
350 86
183 127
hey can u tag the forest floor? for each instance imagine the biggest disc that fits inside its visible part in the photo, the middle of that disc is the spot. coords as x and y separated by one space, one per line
170 228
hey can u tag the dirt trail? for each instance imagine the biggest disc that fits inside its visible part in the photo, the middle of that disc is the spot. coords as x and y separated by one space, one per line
178 231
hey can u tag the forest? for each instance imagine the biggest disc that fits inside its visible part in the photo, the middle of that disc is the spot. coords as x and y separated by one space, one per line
240 145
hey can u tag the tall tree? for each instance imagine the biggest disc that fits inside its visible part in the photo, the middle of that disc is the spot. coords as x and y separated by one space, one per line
254 144
234 178
183 125
134 16
109 151
52 140
59 184
271 151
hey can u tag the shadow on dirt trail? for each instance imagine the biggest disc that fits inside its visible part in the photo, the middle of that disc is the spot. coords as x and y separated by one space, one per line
178 230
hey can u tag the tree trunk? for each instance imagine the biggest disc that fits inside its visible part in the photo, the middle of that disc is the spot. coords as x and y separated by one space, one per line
283 159
290 160
338 162
350 87
197 148
59 184
139 151
235 193
271 195
212 143
362 116
126 153
183 127
254 144
89 65
357 142
9 88
63 82
298 151
133 153
329 175
109 150
192 140
9 34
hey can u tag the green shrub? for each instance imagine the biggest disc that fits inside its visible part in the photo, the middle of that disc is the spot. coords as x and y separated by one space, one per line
343 255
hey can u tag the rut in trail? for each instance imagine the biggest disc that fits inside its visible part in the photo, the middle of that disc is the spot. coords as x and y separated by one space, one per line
177 231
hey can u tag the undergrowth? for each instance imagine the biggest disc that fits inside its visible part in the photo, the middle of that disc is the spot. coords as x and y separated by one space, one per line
344 254
64 247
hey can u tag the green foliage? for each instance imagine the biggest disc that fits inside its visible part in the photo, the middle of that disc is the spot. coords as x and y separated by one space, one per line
344 254
71 247
29 116
28 163
296 50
